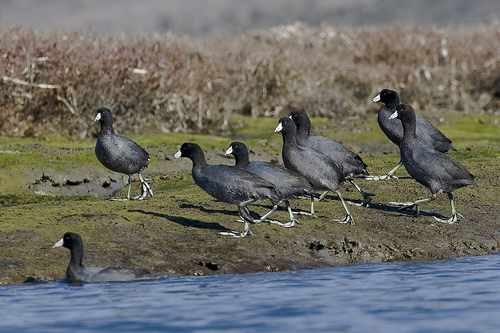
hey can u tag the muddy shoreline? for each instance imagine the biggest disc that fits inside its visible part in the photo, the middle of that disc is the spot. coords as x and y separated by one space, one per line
177 231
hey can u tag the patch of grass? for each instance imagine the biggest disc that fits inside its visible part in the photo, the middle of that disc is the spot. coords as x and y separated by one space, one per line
54 159
15 200
473 131
475 154
175 140
180 182
48 140
476 138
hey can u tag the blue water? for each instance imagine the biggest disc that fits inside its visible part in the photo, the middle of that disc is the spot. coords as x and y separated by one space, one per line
460 295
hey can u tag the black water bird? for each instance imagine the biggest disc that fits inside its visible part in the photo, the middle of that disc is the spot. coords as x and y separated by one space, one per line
346 160
437 171
120 154
313 165
77 272
231 185
288 184
393 129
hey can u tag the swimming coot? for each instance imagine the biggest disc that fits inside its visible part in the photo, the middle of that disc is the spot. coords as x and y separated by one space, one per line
313 165
231 185
76 272
393 129
434 169
121 154
288 184
347 161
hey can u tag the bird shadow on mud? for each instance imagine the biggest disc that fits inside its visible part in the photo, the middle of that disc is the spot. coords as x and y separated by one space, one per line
404 211
229 212
232 213
386 207
186 222
203 209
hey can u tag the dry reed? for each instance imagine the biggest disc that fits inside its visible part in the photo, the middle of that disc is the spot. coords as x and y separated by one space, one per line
54 82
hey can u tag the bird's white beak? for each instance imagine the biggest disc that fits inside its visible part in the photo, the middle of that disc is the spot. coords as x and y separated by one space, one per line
229 151
59 244
376 99
98 117
279 128
394 115
178 154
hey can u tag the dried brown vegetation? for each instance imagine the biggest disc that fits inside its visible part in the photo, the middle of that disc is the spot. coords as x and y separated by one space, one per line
161 82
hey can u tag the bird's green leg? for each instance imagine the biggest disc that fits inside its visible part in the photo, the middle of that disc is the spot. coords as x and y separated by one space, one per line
348 218
389 175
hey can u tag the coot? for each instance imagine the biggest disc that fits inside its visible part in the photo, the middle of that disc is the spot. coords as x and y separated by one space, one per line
121 154
288 184
434 169
231 185
393 129
313 165
346 160
77 273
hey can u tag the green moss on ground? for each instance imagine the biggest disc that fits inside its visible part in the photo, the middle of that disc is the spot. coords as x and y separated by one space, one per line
177 231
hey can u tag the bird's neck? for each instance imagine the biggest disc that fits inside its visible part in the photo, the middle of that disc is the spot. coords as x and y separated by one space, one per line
289 139
303 132
241 161
410 129
76 258
392 104
107 128
199 161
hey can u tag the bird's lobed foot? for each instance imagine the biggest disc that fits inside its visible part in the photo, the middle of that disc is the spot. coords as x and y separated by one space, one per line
402 205
301 212
236 234
291 223
384 177
348 219
451 220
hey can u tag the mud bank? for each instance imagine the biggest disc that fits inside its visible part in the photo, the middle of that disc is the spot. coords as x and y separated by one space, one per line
177 231
51 186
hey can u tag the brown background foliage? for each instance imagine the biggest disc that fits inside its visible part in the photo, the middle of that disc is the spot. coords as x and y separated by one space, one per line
165 82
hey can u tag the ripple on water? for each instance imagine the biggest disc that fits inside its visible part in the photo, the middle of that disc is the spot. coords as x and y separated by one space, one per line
452 295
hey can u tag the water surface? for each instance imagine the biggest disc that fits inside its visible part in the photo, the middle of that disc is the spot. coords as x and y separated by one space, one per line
460 295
